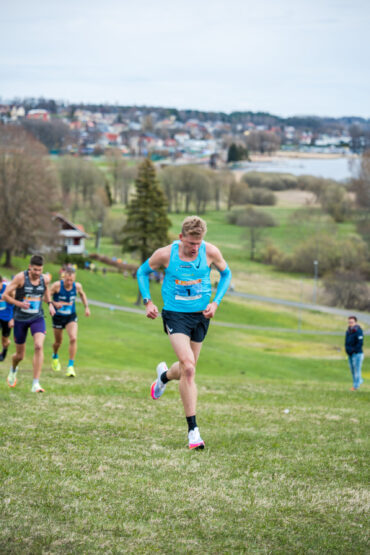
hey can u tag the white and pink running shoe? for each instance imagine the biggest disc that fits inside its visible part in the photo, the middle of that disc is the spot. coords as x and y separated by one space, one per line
158 387
195 441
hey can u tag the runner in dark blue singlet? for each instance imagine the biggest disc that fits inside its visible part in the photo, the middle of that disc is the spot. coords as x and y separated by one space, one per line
64 294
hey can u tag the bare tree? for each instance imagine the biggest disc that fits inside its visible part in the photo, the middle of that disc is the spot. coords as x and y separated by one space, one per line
79 181
256 221
28 190
361 187
222 183
122 176
264 142
361 184
54 134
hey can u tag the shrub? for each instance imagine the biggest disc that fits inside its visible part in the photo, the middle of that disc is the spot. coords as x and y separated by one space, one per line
238 194
271 254
78 259
331 253
112 227
334 201
272 181
260 197
348 289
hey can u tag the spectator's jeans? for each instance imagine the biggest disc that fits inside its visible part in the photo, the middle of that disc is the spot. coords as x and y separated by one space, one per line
355 363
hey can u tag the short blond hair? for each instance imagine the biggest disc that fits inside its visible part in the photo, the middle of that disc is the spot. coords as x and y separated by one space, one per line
193 225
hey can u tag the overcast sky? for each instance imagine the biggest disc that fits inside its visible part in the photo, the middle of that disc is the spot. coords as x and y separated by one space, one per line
286 57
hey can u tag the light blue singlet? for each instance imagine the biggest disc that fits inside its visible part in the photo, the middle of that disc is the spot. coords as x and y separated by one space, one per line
187 285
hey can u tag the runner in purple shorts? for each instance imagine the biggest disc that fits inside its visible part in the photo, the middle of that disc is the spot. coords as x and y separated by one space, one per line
26 292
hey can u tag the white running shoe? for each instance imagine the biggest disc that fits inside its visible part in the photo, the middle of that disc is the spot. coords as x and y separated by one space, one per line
195 441
12 377
36 388
158 387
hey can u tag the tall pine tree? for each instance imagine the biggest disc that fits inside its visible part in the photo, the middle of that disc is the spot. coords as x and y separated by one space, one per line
147 224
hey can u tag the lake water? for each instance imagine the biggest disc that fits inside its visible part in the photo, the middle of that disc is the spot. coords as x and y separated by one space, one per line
339 169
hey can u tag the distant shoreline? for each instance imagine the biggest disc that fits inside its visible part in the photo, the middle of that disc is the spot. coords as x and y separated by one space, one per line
298 154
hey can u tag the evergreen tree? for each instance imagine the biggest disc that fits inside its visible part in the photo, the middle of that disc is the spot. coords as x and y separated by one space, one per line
237 152
147 224
233 155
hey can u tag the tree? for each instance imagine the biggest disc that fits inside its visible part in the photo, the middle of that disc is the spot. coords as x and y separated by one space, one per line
361 187
264 142
361 184
202 189
28 189
54 134
80 180
122 176
222 182
237 152
169 179
255 221
147 224
356 133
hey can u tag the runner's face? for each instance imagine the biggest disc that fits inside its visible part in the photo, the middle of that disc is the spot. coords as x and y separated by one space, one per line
68 280
35 271
190 244
351 322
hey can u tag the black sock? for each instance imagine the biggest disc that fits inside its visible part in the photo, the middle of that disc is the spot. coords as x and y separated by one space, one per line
3 354
164 378
192 422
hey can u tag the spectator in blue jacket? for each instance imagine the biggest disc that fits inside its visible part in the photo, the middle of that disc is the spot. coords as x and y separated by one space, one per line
353 343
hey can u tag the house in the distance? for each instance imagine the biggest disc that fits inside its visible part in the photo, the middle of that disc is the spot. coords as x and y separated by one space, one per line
72 236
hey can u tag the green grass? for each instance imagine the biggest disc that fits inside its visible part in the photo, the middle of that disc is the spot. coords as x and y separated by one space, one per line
95 466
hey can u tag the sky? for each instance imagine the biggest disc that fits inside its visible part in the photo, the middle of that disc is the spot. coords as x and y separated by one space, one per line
286 57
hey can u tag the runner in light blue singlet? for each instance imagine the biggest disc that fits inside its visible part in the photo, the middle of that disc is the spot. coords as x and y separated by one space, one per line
186 292
187 285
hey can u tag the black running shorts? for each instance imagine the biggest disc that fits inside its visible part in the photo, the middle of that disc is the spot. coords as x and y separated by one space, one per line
193 324
5 328
60 322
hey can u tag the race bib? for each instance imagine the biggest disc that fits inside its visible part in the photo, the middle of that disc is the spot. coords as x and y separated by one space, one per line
35 305
2 305
188 290
65 310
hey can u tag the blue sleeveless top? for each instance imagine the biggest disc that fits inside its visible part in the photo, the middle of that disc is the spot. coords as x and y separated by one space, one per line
187 285
6 309
66 297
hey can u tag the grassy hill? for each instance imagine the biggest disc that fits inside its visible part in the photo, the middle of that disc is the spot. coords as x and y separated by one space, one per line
95 466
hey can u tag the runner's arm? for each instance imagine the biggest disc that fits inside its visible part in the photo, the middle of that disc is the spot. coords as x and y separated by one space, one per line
47 295
159 258
216 258
9 293
84 300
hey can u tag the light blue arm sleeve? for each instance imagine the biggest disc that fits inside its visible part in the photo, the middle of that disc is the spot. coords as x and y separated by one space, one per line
223 285
142 276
